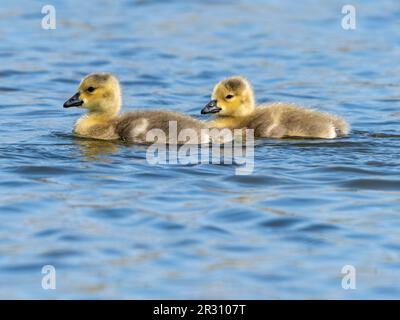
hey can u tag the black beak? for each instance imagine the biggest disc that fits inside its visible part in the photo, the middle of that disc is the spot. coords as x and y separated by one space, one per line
211 107
74 101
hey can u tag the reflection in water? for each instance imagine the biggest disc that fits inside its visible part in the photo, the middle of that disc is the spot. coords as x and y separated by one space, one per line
95 150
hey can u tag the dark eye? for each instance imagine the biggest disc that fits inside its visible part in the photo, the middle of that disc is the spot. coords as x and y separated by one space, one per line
91 89
229 96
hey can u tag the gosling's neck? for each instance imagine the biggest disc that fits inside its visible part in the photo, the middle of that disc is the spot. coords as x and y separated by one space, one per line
93 118
248 106
236 119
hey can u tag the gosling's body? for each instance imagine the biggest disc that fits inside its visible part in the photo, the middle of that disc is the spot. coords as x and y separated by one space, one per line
233 103
100 94
135 125
279 120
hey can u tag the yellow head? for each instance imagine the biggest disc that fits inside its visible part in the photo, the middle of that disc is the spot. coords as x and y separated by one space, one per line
231 97
99 93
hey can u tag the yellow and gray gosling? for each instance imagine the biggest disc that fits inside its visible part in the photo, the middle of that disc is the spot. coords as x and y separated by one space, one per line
100 95
234 105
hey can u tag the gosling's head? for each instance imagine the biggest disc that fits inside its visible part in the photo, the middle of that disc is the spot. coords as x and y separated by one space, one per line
98 93
231 97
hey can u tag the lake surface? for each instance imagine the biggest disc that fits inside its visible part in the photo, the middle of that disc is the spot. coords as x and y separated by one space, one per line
114 226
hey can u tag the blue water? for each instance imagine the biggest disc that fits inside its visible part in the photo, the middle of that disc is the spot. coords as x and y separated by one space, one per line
114 226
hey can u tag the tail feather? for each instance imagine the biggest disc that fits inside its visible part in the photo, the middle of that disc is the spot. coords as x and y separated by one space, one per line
342 128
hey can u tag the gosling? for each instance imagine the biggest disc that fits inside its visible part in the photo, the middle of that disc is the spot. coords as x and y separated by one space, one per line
100 94
234 105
